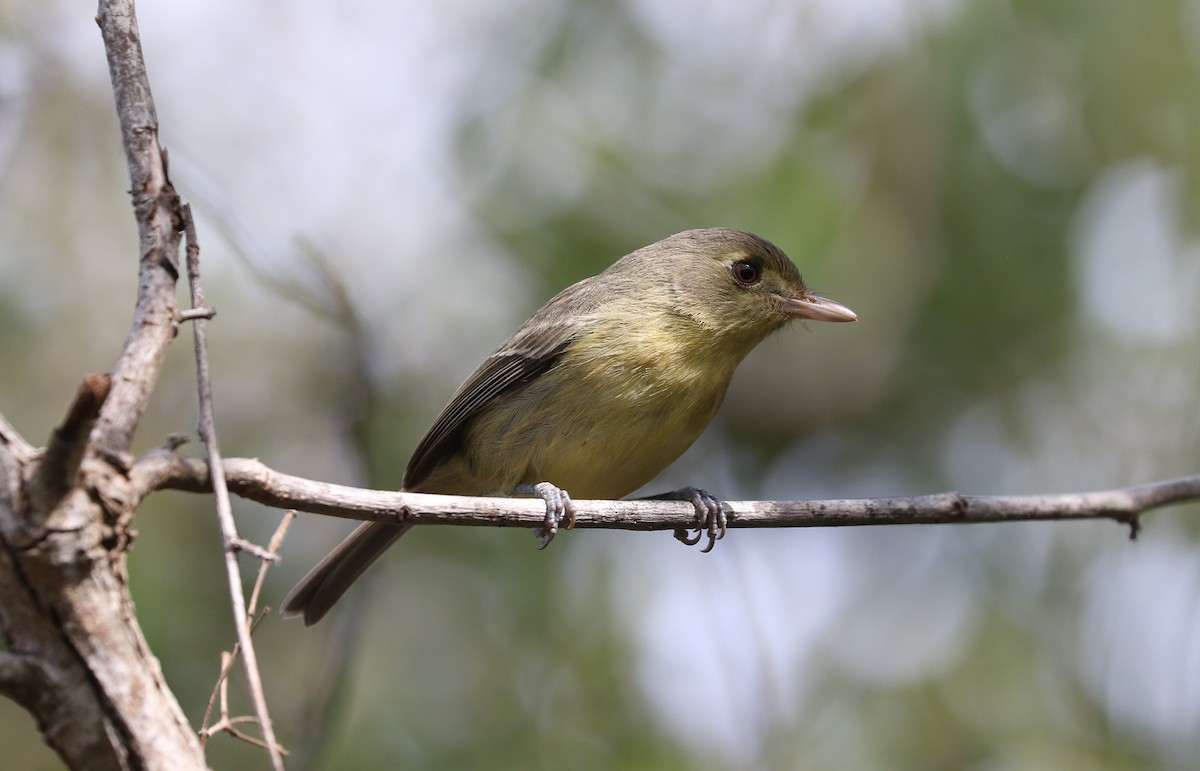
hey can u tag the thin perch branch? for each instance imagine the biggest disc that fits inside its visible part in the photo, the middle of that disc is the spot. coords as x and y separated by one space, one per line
249 478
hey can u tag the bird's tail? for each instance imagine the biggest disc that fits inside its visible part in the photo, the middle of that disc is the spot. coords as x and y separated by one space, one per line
331 577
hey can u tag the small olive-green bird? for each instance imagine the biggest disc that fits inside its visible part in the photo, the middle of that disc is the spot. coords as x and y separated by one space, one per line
598 391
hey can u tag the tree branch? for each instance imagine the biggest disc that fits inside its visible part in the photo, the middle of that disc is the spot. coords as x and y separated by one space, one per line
11 441
23 679
249 478
77 659
157 209
59 466
232 542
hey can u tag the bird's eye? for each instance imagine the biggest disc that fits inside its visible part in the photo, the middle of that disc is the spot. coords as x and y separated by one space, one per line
745 273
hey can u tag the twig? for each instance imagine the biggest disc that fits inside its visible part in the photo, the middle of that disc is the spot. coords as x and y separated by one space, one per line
227 723
207 429
272 547
254 550
220 692
191 314
55 475
249 478
227 659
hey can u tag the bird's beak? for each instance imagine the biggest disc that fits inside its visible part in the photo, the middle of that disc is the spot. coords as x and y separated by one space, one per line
810 306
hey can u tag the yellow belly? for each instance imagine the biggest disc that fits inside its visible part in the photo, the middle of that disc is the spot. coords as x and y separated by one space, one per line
598 427
598 431
617 409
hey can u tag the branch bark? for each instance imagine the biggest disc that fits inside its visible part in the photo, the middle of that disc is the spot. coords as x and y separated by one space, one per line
251 479
78 661
157 209
76 657
232 542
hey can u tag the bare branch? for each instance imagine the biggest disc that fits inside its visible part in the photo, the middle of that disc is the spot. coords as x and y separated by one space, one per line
221 690
249 478
21 450
233 543
191 314
56 473
239 544
23 679
227 723
17 456
65 514
272 549
221 693
156 207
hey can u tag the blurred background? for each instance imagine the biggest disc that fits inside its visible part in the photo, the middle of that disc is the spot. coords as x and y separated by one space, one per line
1005 191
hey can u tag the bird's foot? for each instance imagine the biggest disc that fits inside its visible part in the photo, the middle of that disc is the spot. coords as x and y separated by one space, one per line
560 510
711 519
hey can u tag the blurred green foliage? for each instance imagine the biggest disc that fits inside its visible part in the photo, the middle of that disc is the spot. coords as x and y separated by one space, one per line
1005 191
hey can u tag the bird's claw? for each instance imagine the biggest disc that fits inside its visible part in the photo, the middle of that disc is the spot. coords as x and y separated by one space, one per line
711 519
560 510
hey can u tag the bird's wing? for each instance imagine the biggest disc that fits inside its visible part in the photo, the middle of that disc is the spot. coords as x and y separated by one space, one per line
532 351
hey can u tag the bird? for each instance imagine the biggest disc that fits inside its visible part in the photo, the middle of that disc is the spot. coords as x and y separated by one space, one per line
598 391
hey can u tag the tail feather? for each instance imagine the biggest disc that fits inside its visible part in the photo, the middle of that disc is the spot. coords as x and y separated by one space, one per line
331 577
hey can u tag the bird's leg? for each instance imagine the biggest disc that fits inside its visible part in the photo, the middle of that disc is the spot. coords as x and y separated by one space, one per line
711 519
559 509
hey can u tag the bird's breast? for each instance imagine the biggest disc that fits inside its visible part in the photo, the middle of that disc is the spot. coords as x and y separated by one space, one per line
616 411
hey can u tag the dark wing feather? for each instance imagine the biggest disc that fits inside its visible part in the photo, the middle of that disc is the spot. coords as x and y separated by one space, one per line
532 351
